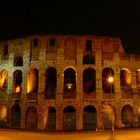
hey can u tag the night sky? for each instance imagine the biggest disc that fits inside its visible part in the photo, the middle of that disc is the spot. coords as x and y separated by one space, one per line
120 18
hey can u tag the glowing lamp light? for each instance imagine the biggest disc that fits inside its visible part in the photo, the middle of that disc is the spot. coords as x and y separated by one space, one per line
69 86
3 113
139 111
28 88
17 89
110 79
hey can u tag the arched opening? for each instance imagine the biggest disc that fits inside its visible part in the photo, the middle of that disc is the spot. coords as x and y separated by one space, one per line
125 77
69 118
31 118
17 81
52 119
138 78
107 84
127 116
109 116
32 82
89 80
89 118
15 116
69 80
51 83
18 61
3 79
89 59
3 116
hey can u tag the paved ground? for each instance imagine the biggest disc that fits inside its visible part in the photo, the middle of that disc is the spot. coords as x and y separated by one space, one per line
83 135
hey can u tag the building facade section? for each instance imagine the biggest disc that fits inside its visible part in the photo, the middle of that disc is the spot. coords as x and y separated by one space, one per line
68 82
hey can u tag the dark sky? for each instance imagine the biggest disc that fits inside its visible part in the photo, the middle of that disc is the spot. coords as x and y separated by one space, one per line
95 17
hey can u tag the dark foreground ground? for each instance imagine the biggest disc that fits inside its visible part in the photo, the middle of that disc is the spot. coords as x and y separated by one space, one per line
8 134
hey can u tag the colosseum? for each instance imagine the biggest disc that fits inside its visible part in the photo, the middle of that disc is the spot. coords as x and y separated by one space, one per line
67 83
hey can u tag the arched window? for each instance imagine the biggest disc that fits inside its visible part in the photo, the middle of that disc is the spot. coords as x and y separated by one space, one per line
108 80
18 61
17 81
89 118
125 77
51 82
109 116
32 83
69 118
69 80
89 80
15 116
31 118
127 116
52 118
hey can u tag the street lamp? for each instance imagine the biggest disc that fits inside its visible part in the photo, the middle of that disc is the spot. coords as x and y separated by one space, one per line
69 86
110 81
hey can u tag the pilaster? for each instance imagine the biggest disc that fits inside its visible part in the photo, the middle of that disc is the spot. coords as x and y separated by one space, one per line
79 118
59 118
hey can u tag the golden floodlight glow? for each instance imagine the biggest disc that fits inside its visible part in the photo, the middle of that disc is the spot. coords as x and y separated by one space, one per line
139 111
3 113
17 89
69 85
28 88
3 77
110 79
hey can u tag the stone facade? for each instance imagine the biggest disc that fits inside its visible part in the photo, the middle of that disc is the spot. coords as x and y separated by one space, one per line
59 82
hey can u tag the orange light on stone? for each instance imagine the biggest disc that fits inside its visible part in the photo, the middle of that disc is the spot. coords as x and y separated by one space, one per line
28 88
3 113
3 77
17 89
139 111
110 79
31 81
69 86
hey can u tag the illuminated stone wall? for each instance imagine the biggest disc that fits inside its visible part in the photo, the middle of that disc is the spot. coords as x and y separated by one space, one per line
63 52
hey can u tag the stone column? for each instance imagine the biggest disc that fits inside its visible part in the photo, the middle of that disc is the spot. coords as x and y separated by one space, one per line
117 83
42 117
59 100
79 118
23 97
98 59
60 81
10 79
79 84
100 118
24 81
118 118
23 113
10 73
99 90
41 80
134 85
59 88
59 118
